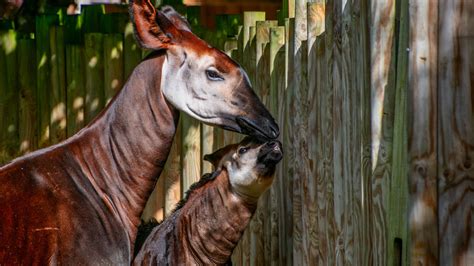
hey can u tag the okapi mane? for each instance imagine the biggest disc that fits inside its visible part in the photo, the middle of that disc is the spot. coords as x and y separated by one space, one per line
206 178
143 231
145 228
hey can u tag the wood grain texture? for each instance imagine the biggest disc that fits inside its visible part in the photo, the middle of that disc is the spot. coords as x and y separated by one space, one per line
288 161
423 113
455 133
94 64
278 246
75 82
27 100
131 51
298 135
316 25
398 207
190 152
382 98
43 74
113 65
172 173
9 96
58 118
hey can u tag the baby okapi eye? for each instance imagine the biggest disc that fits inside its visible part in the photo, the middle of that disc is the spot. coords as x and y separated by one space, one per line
243 150
213 75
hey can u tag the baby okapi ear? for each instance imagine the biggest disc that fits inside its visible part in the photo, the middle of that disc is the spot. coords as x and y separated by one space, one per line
152 29
216 157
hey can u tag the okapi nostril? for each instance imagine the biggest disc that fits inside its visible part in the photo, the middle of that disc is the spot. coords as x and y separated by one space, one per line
271 143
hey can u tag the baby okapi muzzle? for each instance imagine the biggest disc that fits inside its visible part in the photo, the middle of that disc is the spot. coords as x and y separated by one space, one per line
207 225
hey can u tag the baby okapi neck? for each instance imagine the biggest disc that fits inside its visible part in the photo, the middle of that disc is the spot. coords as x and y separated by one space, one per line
213 220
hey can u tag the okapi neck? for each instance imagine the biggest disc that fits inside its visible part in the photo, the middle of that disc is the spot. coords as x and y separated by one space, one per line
127 145
212 222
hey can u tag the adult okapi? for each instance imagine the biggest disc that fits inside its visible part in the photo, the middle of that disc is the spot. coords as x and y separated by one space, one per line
79 202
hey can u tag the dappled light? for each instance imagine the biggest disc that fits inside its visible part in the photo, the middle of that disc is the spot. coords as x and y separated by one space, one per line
373 100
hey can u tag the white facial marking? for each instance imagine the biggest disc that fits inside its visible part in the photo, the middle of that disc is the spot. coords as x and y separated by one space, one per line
188 88
243 174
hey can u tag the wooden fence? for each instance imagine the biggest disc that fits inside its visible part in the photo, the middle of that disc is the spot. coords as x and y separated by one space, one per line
373 99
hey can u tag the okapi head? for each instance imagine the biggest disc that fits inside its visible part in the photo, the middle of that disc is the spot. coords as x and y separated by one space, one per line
198 79
250 165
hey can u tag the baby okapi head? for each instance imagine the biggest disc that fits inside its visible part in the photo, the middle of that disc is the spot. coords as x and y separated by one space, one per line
208 224
250 165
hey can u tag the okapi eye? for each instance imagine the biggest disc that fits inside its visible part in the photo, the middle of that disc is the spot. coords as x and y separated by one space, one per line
243 150
213 75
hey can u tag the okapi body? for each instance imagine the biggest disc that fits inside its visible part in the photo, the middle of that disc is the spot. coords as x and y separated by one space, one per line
80 201
209 222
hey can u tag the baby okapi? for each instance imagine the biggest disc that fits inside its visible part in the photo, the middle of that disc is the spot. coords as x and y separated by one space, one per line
208 223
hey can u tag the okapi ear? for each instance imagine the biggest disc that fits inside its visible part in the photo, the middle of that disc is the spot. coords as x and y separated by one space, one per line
152 29
179 21
216 157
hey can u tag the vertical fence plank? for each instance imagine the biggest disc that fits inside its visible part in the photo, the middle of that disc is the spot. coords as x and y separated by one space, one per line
455 132
172 173
94 64
382 85
43 74
288 159
261 224
299 126
190 151
9 96
75 88
155 206
27 102
131 51
277 196
113 65
57 100
315 16
423 113
398 206
248 61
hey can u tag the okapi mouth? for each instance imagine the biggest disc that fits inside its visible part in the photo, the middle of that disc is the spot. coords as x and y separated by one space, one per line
249 127
271 153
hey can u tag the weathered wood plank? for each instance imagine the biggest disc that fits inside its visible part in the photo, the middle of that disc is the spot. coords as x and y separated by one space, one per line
455 135
277 196
131 51
75 80
8 96
57 100
423 113
113 65
383 61
316 25
172 173
398 206
362 66
94 64
288 161
43 74
190 151
262 224
155 206
298 107
28 133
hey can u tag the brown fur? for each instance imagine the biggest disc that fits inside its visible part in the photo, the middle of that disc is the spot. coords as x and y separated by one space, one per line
79 202
209 222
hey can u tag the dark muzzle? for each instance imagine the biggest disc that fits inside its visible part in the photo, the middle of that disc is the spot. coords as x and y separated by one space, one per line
271 153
